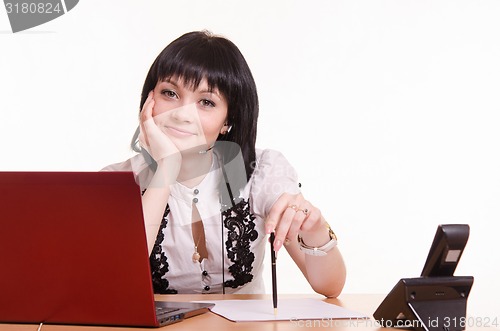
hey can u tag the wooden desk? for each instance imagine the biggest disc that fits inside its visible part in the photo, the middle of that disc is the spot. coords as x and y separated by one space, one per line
362 303
207 322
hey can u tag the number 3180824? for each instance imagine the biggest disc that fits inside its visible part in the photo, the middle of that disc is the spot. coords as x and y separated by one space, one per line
33 8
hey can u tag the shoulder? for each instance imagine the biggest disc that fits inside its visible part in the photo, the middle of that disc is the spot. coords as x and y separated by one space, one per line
273 175
270 160
138 165
260 153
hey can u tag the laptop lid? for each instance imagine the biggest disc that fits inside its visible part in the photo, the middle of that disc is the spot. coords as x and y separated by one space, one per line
73 250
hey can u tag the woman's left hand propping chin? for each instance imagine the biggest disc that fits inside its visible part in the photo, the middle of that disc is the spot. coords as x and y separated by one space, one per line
290 215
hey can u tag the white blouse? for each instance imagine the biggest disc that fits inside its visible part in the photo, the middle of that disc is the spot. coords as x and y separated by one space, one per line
235 239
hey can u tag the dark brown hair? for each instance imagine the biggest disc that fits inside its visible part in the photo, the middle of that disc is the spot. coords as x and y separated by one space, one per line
201 55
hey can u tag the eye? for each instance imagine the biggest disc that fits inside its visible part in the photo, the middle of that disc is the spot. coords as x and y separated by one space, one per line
207 103
169 94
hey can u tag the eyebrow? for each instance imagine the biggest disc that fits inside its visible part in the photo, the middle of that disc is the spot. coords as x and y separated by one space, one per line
168 80
217 94
213 91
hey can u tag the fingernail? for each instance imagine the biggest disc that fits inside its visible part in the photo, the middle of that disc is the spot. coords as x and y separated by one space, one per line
277 245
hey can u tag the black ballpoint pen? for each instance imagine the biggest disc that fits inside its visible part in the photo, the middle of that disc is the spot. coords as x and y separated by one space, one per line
273 272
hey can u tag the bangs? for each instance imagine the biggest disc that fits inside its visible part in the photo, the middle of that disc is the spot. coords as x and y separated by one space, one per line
195 62
201 56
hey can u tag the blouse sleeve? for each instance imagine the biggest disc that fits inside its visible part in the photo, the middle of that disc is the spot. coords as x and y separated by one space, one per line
138 166
272 177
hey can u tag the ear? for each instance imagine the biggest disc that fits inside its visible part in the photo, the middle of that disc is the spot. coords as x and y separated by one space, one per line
225 128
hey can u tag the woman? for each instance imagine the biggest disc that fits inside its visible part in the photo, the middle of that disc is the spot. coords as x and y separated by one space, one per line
209 197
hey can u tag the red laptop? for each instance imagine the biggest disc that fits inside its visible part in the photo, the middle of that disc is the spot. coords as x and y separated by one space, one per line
73 251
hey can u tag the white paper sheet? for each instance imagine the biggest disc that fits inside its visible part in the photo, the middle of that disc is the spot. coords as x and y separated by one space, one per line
288 310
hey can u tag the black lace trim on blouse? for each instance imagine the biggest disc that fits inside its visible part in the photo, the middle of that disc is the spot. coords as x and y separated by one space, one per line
241 231
158 261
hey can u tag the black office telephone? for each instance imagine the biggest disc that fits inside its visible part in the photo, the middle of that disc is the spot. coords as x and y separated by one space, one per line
437 300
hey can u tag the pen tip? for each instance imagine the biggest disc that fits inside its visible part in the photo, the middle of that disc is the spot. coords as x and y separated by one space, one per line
275 311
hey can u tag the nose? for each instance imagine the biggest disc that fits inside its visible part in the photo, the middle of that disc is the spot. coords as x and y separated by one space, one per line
185 113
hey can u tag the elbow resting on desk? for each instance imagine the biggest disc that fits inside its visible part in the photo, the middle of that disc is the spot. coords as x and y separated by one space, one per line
331 291
325 274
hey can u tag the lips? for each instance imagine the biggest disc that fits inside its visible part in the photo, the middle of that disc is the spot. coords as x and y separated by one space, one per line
178 132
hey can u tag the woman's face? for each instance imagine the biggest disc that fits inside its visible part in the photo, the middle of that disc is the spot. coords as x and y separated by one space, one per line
192 119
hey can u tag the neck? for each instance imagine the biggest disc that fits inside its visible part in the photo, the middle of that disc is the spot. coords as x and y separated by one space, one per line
194 168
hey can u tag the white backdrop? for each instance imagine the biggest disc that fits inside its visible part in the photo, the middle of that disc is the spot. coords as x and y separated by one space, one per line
389 110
